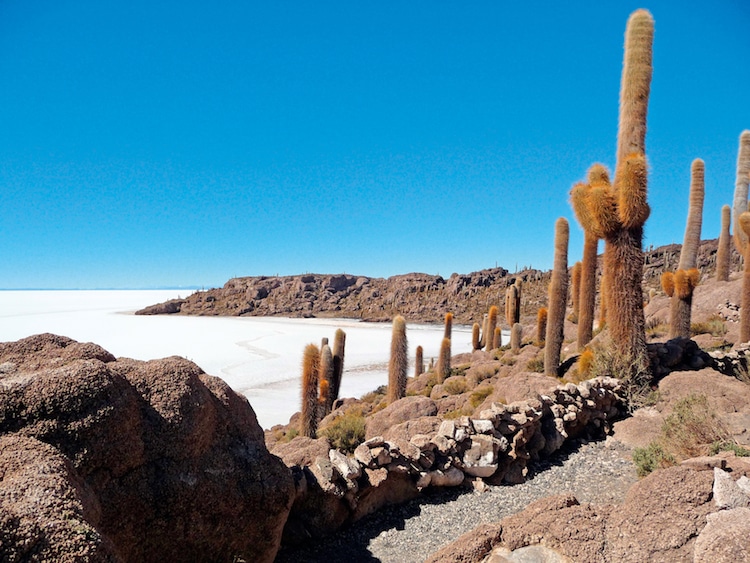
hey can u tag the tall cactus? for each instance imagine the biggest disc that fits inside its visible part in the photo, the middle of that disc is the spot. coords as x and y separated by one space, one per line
580 196
339 346
723 253
399 361
443 367
310 370
739 204
687 276
558 298
621 210
491 324
513 303
744 223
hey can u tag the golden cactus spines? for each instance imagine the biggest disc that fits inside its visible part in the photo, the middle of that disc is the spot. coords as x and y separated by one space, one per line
603 209
739 203
723 253
558 297
443 366
632 207
667 283
743 221
692 239
310 370
399 361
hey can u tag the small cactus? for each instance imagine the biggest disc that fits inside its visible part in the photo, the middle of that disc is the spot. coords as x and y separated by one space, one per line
541 326
513 303
476 341
419 364
516 333
325 378
575 290
339 345
558 297
497 338
443 368
310 370
399 361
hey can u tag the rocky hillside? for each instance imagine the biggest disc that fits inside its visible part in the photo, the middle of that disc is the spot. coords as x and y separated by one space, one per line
418 297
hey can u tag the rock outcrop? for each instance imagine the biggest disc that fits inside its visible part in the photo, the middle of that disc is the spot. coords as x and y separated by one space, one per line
123 460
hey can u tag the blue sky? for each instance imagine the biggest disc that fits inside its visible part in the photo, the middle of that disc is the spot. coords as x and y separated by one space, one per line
147 144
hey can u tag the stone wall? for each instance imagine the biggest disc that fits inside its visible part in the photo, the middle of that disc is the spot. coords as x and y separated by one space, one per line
494 448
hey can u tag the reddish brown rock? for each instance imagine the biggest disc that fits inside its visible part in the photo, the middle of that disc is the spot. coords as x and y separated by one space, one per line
168 462
470 547
725 539
403 410
301 450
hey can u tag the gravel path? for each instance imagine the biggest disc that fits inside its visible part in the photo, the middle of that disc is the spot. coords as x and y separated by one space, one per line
598 472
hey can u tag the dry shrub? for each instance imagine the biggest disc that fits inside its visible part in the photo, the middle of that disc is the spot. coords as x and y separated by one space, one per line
479 395
536 364
481 372
715 326
455 386
347 431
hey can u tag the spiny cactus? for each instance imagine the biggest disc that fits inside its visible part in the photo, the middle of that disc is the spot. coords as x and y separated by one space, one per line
310 370
497 338
575 290
419 364
541 326
513 303
558 297
491 324
485 326
399 361
339 345
739 204
581 194
443 367
325 377
619 211
723 253
516 333
448 325
687 276
743 223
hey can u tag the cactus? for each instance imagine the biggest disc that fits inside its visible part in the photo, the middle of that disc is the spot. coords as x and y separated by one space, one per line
618 212
739 204
310 370
541 326
339 344
323 342
448 325
399 361
684 280
476 341
443 367
419 362
743 223
497 338
325 377
723 253
516 333
491 324
558 297
575 290
513 303
485 326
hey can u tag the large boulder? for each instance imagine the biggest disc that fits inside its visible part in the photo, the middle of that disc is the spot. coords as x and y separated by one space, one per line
408 408
150 461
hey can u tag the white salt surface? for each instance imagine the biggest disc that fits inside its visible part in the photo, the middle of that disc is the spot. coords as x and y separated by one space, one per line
257 356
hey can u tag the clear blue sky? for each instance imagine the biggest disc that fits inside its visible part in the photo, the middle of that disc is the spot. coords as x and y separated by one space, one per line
179 143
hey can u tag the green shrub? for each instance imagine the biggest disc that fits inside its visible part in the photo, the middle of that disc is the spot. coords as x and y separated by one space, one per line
715 326
650 458
729 446
347 431
536 364
455 386
478 396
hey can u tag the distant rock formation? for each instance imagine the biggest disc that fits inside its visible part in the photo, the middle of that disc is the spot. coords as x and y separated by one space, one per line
418 297
124 460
